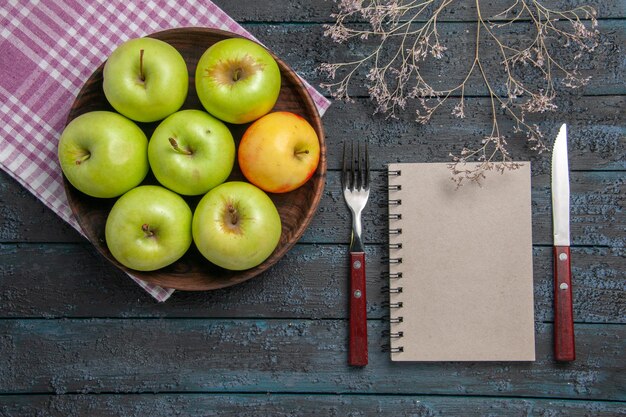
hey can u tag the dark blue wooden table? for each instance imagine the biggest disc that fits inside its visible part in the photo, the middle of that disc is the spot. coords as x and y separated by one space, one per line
77 337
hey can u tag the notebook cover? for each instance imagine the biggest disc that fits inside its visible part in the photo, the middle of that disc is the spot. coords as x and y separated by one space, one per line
467 277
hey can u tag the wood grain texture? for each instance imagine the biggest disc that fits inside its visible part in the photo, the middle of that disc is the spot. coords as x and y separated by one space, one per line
72 280
307 11
264 404
296 208
564 342
304 47
596 138
182 355
357 296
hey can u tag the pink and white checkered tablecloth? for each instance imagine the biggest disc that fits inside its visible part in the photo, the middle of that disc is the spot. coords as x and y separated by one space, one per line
48 49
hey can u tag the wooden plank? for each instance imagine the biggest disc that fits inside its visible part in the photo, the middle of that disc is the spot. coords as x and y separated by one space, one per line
182 355
310 282
596 136
23 215
597 210
304 48
320 11
246 405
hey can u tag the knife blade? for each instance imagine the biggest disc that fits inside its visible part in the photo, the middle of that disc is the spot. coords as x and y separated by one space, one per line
564 349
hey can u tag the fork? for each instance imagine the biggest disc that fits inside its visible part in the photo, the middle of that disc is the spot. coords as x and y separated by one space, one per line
355 181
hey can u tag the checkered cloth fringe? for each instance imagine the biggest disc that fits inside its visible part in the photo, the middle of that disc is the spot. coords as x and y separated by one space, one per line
48 49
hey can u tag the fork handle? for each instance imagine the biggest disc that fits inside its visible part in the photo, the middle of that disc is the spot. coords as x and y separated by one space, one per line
358 311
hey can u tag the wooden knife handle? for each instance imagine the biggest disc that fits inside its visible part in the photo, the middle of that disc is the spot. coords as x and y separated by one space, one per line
564 350
357 351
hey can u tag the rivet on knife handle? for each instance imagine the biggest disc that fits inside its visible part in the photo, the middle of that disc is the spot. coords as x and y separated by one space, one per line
564 349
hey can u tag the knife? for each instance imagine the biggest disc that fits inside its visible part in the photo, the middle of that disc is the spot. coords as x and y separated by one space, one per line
563 311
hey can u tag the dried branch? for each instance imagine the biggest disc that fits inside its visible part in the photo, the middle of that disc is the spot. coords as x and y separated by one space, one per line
406 35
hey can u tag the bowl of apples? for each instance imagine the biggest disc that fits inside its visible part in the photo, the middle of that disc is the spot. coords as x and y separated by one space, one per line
193 158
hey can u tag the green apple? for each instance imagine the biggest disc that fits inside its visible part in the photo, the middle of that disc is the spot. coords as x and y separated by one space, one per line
148 228
237 80
279 152
145 79
191 152
103 154
236 226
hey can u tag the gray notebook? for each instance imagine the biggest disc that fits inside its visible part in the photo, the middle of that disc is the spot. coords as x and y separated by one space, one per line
461 277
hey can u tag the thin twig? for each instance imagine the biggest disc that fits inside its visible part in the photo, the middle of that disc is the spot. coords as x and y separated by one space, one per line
411 27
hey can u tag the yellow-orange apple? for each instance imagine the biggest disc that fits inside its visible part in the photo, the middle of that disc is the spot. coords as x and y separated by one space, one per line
279 152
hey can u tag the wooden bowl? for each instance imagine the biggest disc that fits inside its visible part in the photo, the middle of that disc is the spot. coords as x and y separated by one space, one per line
193 272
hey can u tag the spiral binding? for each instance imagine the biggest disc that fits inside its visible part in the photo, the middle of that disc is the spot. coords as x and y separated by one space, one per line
389 304
392 335
391 187
391 290
395 289
387 348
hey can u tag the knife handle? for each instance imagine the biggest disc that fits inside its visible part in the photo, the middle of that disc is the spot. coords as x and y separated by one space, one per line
564 350
357 352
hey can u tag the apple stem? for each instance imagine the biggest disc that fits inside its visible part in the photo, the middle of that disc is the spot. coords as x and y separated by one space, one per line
83 158
142 77
146 229
178 149
237 74
298 153
234 215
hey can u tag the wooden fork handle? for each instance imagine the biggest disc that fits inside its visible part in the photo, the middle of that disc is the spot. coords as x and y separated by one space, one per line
357 351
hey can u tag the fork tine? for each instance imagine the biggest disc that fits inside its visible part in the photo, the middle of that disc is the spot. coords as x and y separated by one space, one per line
359 172
367 166
351 176
344 167
363 169
355 174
